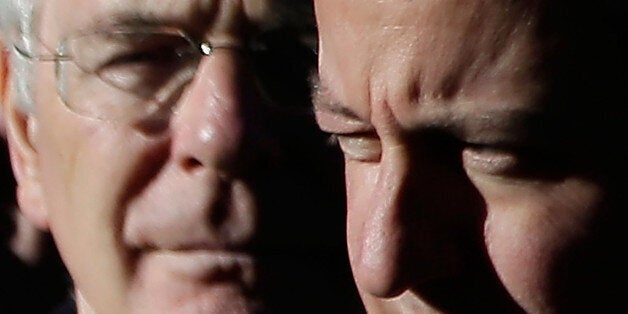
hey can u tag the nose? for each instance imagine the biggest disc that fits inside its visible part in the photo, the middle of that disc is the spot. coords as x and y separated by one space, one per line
408 217
215 122
203 193
375 230
215 143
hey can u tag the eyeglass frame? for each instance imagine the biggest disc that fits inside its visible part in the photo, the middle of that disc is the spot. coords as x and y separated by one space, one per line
204 47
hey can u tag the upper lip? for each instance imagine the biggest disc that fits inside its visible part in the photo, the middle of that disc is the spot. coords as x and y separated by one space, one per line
203 264
195 246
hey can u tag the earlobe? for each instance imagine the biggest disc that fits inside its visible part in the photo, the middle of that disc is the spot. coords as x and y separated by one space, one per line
20 130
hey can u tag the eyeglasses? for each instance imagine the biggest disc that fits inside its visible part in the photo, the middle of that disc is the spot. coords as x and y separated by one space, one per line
127 74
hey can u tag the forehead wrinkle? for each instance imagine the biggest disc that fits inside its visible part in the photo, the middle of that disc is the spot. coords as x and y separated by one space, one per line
449 49
417 87
96 14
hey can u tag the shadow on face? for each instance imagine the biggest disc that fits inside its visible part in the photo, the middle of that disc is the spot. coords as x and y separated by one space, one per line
40 272
482 147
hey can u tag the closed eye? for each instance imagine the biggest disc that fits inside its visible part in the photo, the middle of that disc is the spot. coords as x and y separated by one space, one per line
362 147
488 160
164 56
518 162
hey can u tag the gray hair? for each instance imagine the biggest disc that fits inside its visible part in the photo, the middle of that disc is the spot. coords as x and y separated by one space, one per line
18 27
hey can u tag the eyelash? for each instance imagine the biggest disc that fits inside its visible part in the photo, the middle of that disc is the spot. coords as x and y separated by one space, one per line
332 140
450 151
444 149
358 147
488 160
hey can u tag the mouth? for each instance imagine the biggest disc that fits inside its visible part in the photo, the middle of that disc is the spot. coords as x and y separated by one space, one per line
200 265
194 280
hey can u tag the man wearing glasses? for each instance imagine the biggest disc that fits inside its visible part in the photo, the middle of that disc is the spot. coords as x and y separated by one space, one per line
157 141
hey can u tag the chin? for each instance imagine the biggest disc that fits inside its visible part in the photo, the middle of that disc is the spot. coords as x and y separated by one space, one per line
214 298
194 282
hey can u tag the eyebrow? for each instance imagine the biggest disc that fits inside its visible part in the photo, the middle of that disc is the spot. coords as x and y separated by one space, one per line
139 16
134 19
129 18
508 127
321 100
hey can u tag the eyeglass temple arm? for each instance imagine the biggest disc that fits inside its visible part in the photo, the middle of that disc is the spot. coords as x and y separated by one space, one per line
42 57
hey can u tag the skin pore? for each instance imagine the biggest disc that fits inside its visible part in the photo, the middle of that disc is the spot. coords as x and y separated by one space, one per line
477 172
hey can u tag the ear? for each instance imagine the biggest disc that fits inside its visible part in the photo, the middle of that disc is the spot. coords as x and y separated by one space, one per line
4 67
20 131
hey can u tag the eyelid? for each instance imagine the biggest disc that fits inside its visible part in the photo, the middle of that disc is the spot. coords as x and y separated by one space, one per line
490 161
331 121
359 147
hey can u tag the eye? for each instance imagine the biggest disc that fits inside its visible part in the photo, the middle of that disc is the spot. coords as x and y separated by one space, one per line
518 162
359 147
137 62
143 64
143 58
144 73
489 160
163 57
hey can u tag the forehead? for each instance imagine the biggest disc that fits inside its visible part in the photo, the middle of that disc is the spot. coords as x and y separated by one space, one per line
406 53
69 15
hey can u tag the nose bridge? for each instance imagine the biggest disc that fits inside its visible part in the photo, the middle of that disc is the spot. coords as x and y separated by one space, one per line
384 231
211 120
420 217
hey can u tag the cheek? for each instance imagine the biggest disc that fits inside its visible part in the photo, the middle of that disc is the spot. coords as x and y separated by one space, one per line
521 252
86 168
83 165
529 231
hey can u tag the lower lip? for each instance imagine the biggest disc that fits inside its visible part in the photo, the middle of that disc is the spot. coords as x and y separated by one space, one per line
193 281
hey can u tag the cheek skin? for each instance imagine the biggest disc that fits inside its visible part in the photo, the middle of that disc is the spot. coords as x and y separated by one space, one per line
85 166
520 253
91 203
528 230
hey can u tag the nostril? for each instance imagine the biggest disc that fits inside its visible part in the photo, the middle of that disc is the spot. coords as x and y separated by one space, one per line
191 163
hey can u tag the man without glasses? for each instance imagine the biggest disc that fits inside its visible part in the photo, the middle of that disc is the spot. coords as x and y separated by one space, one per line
485 151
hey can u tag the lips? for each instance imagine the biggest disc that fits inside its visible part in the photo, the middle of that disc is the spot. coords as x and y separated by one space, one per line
193 281
207 266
